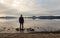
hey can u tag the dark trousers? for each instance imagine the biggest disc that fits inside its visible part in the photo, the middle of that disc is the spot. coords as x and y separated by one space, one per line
21 26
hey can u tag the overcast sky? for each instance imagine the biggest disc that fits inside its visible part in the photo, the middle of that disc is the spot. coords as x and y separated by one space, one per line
29 7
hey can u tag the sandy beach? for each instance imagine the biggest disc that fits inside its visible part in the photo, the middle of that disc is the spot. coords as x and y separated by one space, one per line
24 35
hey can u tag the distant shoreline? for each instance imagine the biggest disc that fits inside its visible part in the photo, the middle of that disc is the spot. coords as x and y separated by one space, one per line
33 17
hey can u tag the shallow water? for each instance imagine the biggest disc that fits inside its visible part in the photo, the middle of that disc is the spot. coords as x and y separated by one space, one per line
9 25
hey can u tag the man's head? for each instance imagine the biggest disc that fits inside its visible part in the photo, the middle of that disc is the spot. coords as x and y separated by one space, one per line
21 15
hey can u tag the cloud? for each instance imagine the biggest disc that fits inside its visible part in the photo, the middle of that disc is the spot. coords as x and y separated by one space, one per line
54 12
50 4
10 12
2 7
29 7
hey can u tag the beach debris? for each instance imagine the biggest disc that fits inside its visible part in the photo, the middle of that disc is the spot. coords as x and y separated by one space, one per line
38 28
30 29
8 29
4 28
17 29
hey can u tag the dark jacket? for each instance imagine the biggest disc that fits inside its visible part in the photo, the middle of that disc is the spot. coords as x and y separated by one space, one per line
21 20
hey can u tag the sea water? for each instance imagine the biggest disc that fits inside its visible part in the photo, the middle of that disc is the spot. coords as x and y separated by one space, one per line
10 25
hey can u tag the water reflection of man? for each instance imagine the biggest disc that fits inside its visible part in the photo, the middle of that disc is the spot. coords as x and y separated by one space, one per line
21 21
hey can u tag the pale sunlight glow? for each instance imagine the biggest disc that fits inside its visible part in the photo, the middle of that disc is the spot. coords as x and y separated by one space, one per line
1 1
15 4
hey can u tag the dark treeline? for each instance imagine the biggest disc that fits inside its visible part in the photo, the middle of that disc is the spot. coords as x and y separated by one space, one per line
45 17
49 17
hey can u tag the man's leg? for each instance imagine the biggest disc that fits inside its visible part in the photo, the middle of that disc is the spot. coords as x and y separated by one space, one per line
22 26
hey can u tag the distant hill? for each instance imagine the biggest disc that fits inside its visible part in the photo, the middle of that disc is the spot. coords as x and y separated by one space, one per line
7 17
49 17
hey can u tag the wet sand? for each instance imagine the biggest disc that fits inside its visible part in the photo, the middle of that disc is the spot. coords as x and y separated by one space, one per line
24 35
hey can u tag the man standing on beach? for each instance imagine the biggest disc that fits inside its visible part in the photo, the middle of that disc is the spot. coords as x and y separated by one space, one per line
21 21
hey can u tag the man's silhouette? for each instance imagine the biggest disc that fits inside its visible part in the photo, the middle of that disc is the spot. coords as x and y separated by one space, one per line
21 21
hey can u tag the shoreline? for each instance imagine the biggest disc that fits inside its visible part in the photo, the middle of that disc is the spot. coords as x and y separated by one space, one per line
29 35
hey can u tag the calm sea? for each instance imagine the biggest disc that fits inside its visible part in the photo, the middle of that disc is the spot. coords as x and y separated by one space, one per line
9 25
